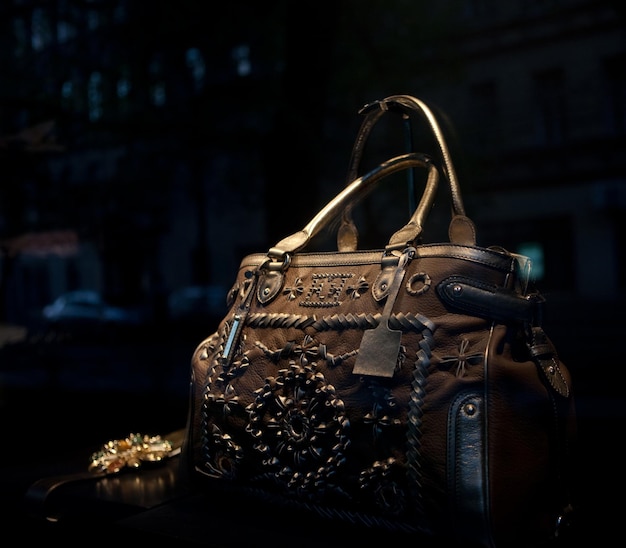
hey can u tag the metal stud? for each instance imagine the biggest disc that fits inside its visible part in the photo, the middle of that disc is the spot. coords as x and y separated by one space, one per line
470 409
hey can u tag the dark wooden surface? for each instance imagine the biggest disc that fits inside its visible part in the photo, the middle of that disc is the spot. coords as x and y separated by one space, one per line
153 503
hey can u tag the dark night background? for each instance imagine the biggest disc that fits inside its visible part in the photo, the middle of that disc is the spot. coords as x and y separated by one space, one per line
146 147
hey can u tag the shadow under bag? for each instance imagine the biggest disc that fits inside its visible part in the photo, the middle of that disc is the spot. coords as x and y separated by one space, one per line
408 389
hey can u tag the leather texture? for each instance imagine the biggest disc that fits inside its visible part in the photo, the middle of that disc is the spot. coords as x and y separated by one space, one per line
409 388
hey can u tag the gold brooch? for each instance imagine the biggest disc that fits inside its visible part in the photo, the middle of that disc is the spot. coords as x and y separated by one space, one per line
130 452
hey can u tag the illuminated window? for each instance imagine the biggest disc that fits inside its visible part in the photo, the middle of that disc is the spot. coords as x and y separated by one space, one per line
65 32
241 56
534 251
95 96
120 13
158 93
73 95
548 242
196 66
67 90
93 19
41 34
123 88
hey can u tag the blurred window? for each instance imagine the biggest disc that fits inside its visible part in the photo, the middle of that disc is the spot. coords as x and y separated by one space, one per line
65 31
551 110
534 251
95 96
93 19
158 94
41 32
196 66
616 87
20 31
241 56
484 113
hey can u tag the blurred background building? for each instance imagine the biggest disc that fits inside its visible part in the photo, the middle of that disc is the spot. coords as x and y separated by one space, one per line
146 147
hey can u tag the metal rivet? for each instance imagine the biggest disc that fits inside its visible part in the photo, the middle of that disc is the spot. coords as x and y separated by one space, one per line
551 370
457 289
383 286
470 409
266 291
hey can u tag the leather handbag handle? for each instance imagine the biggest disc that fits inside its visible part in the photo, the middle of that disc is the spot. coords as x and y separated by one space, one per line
357 190
461 228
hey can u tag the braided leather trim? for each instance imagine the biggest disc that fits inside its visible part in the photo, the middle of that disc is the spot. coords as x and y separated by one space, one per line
274 321
338 322
414 419
397 322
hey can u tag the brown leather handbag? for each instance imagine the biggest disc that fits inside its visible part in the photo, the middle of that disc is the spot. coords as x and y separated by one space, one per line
409 388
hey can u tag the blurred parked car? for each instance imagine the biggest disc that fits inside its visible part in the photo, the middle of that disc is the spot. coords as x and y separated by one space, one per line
84 310
194 311
197 301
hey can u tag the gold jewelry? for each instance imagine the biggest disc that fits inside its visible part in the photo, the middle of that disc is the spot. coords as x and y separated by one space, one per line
130 452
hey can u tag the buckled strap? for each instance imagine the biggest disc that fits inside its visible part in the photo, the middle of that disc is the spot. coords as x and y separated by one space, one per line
489 301
544 353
